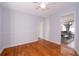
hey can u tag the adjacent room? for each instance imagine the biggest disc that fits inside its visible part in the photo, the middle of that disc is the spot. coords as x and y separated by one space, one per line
39 28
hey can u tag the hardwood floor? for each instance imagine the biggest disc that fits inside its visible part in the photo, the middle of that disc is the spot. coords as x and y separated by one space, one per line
38 48
67 51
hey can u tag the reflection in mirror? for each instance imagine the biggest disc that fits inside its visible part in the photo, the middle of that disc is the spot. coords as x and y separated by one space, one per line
67 31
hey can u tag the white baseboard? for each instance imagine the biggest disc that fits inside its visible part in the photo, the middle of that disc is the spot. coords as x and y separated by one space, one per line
55 42
20 43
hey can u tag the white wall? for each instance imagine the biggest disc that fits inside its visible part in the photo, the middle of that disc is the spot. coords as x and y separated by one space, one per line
55 29
77 27
1 46
41 29
19 28
46 28
54 23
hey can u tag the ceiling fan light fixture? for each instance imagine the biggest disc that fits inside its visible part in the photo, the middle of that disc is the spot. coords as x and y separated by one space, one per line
43 5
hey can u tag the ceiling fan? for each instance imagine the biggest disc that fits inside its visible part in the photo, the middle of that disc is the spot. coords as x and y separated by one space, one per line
43 5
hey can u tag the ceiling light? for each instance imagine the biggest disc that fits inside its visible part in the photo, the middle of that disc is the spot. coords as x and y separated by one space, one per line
43 5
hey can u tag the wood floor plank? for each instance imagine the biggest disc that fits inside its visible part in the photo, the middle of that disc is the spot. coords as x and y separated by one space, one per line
54 49
41 49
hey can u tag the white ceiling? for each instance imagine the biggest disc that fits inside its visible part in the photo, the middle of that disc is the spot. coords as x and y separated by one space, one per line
30 7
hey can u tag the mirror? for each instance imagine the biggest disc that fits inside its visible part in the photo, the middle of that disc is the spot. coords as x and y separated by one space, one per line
67 30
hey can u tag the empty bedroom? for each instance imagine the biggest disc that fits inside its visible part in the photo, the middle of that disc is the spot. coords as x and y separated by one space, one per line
39 28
